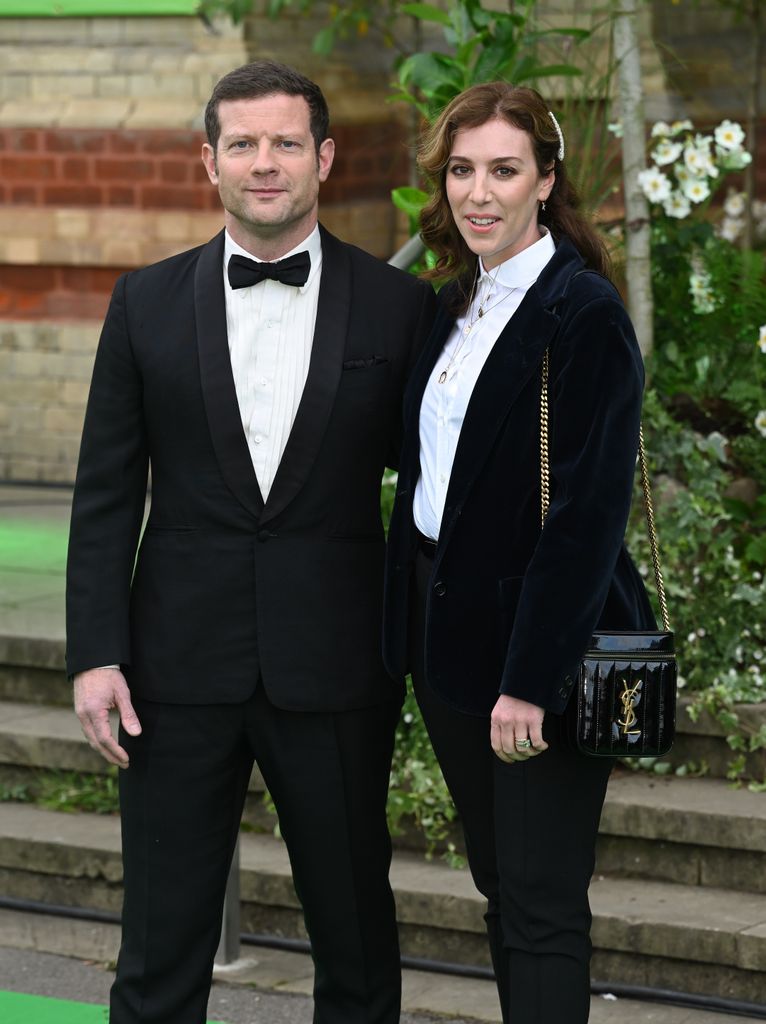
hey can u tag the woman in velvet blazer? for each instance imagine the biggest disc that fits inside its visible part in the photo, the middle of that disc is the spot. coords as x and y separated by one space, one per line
490 610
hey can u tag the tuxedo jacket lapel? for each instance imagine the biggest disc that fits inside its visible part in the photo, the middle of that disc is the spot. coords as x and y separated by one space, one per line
218 389
325 367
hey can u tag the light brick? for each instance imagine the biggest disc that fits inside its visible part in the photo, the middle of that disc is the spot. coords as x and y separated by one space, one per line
112 86
95 112
63 420
73 223
77 337
20 113
20 250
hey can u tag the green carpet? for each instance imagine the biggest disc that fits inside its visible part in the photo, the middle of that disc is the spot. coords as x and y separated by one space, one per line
19 1008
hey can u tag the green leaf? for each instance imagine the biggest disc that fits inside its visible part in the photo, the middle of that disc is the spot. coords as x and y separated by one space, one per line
426 12
409 200
324 41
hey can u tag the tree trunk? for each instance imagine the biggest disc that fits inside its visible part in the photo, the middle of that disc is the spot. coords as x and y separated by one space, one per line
753 106
637 228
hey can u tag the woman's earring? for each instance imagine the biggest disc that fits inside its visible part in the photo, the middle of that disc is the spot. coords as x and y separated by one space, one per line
542 204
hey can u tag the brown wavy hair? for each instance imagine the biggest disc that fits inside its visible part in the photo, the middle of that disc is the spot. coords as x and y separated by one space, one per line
523 108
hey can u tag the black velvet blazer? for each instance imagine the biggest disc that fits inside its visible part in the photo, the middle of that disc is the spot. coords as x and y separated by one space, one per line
511 607
228 588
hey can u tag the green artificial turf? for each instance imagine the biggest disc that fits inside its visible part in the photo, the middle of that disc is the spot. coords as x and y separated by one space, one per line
20 1008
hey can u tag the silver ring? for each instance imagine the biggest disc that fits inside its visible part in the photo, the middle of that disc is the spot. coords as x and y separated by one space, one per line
523 744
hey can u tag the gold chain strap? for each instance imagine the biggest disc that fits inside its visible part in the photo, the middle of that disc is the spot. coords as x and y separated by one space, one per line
545 491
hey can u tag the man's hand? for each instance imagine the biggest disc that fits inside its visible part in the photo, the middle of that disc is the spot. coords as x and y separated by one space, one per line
97 692
516 731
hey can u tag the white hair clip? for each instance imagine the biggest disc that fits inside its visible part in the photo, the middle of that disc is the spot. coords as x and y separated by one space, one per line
560 134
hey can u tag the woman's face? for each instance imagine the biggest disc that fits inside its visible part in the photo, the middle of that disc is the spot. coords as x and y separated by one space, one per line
493 188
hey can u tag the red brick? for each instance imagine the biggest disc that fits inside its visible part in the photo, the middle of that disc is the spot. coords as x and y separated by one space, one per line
125 170
75 167
26 168
81 141
30 303
198 173
123 142
168 198
25 194
25 140
175 143
121 195
72 195
174 171
28 278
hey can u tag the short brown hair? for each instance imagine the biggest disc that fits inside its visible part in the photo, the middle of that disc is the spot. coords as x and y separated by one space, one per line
267 78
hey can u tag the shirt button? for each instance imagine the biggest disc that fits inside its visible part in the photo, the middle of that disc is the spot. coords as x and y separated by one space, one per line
257 439
442 477
264 382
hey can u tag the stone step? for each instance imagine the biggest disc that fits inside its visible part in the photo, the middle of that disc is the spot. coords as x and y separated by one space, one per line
662 934
691 831
32 670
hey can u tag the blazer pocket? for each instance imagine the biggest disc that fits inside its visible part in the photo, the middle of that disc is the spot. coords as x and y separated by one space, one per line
364 364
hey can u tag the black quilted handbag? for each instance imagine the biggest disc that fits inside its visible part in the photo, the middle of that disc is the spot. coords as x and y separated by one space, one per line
625 701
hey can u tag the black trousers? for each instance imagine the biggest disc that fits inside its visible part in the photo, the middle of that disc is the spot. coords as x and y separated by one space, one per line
181 802
530 830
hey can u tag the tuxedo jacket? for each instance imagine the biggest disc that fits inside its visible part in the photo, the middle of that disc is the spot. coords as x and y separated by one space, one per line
225 588
512 606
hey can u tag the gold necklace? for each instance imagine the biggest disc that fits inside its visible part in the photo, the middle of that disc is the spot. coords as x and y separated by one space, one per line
471 321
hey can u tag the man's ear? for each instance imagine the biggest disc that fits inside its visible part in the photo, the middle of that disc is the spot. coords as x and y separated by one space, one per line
325 157
210 162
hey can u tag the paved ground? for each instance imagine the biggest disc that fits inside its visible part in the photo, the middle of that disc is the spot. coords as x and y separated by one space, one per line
274 988
252 1002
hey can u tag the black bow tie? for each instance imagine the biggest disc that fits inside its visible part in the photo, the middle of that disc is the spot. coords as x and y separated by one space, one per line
244 272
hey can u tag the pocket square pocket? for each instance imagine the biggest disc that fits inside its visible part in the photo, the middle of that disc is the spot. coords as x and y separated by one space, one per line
364 364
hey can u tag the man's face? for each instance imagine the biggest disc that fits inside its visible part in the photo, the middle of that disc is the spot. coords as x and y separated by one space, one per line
268 172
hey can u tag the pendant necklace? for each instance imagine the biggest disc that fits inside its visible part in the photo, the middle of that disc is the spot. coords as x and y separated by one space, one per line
472 320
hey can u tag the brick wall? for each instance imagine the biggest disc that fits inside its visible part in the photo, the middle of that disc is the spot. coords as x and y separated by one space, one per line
100 136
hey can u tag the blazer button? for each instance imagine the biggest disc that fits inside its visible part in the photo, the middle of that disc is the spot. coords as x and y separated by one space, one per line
440 589
264 535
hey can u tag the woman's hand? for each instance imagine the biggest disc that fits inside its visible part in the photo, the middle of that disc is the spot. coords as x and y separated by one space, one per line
516 732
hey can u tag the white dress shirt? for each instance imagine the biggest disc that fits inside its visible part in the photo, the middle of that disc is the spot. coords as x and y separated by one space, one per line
443 407
270 327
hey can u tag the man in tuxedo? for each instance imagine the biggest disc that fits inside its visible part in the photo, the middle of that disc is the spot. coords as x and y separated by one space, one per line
260 376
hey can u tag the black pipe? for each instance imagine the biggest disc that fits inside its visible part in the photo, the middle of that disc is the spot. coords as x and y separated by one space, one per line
687 1000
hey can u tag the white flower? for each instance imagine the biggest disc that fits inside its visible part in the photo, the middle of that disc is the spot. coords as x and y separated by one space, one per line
691 638
762 338
760 422
735 203
654 184
660 128
667 152
703 299
699 162
615 127
681 126
729 135
733 160
702 631
677 205
730 228
696 189
682 173
407 717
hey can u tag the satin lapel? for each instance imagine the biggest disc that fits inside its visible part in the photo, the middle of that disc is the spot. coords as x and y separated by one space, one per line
325 367
218 390
516 356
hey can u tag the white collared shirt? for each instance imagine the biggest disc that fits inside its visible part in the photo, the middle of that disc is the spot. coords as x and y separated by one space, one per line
270 327
443 407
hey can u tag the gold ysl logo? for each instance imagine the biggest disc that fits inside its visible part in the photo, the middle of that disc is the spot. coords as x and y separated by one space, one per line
629 700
